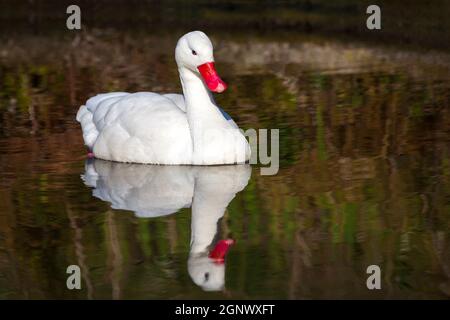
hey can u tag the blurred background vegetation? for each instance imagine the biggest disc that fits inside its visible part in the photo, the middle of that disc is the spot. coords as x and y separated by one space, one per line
421 23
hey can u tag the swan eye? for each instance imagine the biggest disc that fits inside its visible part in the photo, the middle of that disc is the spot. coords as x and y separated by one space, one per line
206 276
194 52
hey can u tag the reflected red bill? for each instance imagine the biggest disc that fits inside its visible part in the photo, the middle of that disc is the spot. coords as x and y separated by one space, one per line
220 250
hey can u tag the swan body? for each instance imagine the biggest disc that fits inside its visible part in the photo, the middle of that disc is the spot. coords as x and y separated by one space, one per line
171 129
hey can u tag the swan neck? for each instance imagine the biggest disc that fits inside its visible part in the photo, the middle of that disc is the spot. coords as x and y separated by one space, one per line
201 109
197 96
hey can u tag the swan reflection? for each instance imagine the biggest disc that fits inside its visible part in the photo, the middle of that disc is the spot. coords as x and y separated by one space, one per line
155 191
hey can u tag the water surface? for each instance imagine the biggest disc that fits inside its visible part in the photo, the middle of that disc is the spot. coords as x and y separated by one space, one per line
364 175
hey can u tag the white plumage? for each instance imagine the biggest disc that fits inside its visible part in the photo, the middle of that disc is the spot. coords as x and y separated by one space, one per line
175 129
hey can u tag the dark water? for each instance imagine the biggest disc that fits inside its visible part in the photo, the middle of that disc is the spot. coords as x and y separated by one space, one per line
364 174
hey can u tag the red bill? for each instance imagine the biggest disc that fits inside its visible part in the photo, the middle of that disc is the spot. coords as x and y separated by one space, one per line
212 79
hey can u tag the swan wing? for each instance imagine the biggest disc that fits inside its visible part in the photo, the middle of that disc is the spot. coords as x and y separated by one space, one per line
178 99
141 127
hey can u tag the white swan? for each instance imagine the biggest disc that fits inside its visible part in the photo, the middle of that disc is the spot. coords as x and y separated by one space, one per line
153 191
176 129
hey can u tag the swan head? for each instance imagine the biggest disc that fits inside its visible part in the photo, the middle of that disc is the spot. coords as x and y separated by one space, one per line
208 271
194 51
206 274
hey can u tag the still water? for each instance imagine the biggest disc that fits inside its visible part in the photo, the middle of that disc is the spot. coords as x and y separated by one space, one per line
364 175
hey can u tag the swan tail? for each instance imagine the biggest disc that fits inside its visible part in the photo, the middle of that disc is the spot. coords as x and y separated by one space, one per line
90 132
